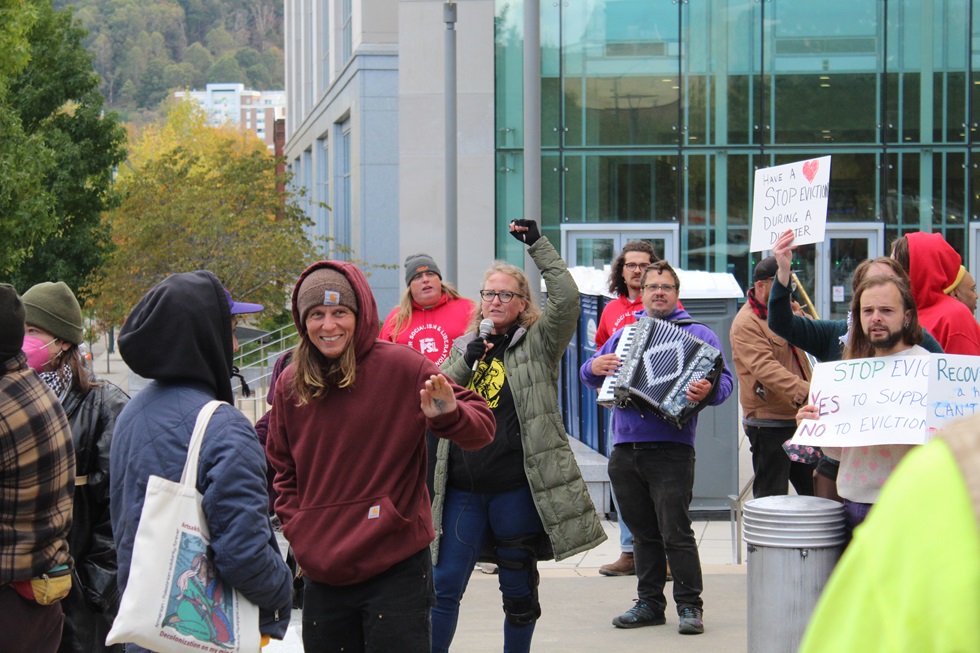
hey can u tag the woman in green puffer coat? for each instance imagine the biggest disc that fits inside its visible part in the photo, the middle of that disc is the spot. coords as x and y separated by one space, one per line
521 498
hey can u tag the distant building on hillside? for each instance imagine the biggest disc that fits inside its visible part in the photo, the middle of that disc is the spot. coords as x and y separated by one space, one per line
232 104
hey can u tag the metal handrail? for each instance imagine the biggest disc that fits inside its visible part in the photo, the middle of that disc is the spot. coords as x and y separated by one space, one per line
269 347
735 517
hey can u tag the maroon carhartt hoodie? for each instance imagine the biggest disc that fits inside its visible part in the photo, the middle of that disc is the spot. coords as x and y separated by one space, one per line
350 467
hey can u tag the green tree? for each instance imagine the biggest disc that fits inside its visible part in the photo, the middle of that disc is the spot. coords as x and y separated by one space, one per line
220 42
127 94
151 87
198 56
181 75
259 78
64 151
227 71
16 19
274 62
247 57
201 197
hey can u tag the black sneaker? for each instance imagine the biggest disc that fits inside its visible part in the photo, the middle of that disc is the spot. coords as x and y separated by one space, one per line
690 622
639 615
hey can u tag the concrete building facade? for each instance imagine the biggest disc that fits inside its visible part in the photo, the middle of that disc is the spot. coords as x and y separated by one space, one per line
654 118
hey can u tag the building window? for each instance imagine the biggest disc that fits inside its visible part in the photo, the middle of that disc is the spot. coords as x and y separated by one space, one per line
308 41
342 193
347 31
661 112
323 188
324 45
308 184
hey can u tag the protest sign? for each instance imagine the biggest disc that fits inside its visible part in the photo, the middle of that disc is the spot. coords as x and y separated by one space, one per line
868 401
790 196
954 389
889 400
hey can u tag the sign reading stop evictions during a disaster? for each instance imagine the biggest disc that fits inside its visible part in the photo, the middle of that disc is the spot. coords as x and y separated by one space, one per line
791 196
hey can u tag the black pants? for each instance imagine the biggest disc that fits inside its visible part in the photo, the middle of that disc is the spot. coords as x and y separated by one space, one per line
774 471
386 613
27 627
654 486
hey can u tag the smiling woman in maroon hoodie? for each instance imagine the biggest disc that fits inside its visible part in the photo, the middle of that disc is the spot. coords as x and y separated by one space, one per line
347 440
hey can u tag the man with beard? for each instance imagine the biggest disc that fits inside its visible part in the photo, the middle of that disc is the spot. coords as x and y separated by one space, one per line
652 471
625 281
886 323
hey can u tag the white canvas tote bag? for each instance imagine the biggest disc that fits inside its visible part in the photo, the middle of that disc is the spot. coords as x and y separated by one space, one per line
174 601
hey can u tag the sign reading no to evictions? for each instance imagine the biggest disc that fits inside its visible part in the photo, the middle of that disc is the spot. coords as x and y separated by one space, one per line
791 196
889 400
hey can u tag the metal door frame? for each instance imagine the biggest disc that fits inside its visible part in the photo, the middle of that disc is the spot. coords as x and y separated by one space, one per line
874 232
973 246
620 234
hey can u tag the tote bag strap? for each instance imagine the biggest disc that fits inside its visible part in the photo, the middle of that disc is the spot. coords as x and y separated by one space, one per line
189 477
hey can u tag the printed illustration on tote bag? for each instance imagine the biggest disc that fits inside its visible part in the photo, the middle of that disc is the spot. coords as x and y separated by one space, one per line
199 605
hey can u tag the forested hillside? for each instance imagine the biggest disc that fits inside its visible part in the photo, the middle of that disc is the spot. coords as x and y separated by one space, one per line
143 49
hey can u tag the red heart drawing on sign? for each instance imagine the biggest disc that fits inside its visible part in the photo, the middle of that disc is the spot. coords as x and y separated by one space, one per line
810 170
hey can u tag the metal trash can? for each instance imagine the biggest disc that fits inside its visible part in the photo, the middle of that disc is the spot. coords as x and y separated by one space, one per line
793 544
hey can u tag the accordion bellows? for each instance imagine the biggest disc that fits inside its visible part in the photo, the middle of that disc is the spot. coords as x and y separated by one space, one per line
659 361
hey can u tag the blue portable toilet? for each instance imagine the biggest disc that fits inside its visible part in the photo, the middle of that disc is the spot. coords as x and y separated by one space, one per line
588 409
568 392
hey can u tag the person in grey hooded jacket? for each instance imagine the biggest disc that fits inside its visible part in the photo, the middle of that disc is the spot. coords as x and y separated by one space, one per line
180 335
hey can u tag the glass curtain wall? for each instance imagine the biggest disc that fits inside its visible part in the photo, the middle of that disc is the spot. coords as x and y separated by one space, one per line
660 112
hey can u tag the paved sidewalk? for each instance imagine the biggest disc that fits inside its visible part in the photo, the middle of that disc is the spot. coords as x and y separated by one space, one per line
577 603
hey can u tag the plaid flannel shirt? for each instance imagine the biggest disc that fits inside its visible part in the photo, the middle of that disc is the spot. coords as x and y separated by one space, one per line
37 475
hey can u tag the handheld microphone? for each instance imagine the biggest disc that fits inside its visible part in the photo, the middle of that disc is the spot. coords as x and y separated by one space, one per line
486 326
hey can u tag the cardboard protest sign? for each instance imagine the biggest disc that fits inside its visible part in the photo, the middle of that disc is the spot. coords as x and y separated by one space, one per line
790 196
954 389
868 401
889 400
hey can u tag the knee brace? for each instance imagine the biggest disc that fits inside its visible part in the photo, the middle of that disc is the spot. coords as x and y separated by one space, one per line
525 610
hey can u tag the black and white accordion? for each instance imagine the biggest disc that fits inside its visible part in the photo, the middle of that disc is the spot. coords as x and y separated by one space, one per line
659 361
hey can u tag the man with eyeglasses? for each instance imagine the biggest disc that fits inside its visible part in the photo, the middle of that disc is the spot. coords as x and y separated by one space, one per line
773 382
625 281
652 471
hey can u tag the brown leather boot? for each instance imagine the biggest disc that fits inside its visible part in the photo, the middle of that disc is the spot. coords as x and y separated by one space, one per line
622 567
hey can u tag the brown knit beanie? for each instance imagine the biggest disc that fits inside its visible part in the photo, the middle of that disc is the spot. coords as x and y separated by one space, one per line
11 323
52 307
324 287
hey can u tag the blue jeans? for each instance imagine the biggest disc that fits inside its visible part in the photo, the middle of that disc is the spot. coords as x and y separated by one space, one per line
625 537
654 484
389 612
468 521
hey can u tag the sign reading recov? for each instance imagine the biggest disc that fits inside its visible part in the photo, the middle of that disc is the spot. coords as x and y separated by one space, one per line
790 196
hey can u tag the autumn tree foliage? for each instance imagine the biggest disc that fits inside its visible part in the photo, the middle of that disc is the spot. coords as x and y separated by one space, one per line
200 197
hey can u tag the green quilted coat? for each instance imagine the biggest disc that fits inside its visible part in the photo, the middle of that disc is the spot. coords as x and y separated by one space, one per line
531 360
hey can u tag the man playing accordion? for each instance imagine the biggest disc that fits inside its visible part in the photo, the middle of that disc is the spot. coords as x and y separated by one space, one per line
652 470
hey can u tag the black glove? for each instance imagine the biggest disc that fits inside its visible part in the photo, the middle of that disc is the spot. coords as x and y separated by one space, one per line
475 350
529 237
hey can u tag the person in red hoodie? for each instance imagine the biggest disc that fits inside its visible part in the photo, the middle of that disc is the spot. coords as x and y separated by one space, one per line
347 441
624 282
431 314
934 269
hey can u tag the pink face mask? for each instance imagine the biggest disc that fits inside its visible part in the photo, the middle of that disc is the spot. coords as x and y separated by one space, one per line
37 352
